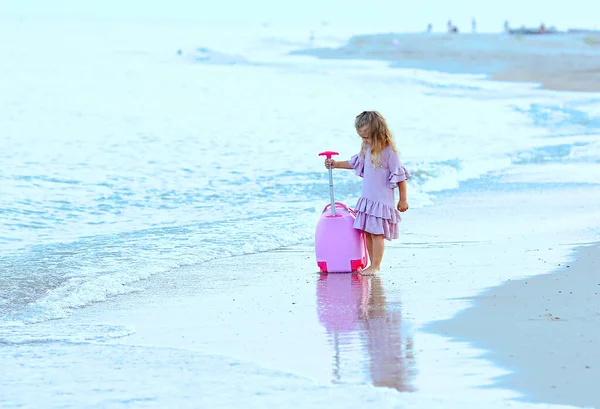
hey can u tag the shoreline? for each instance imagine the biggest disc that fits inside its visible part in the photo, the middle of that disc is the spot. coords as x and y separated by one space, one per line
566 62
276 317
547 324
265 307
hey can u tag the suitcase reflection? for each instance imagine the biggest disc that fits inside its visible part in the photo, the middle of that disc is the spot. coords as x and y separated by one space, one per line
369 342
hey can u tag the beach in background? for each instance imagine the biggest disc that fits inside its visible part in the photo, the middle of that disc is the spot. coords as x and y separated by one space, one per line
160 188
561 61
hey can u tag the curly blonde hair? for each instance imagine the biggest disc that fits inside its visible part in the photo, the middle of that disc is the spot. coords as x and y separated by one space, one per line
377 129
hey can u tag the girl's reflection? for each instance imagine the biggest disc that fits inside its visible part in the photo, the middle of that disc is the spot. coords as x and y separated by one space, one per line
352 307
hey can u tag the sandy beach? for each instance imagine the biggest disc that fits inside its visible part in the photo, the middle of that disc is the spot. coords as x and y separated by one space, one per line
543 329
557 62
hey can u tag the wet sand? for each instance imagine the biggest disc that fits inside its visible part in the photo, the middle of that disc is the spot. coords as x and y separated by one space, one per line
336 329
545 330
276 310
343 327
557 62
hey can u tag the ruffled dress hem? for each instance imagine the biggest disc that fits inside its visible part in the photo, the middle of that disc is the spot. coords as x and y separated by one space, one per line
377 218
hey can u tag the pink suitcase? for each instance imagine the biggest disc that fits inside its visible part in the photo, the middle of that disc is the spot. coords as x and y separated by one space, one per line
339 247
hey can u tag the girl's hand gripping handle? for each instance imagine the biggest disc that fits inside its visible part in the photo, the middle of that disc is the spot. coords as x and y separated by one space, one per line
328 162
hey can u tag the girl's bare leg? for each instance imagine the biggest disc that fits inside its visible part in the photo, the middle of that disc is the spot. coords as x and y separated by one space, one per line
369 246
376 254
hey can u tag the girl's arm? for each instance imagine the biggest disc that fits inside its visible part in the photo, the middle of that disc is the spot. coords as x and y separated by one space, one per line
338 164
403 202
342 164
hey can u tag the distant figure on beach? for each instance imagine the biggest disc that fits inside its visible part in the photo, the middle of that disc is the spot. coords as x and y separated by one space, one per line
379 165
311 38
530 31
473 25
506 27
451 27
429 27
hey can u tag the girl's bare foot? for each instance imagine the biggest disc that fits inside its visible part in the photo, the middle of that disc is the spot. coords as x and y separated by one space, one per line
369 271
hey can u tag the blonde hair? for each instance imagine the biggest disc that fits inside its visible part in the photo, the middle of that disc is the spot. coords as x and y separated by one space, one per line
379 133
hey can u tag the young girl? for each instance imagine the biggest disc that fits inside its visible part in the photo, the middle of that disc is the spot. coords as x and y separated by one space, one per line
380 167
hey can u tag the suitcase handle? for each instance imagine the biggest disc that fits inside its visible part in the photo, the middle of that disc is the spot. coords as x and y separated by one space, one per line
329 154
339 204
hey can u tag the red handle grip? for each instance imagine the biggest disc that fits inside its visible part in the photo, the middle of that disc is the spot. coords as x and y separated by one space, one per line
329 154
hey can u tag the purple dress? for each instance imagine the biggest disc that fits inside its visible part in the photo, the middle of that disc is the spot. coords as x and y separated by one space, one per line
376 209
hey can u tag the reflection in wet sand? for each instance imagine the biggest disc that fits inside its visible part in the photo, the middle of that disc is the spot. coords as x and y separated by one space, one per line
354 311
